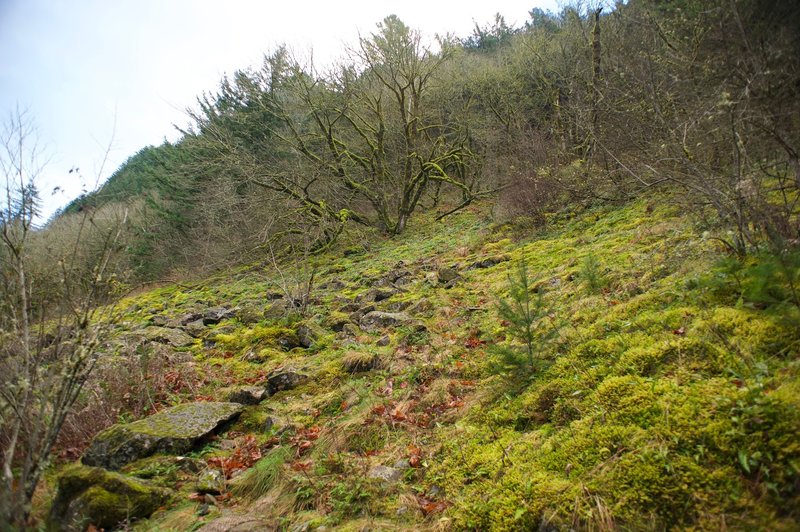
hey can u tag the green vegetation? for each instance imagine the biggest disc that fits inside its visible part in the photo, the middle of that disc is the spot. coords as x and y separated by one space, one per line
529 319
669 398
607 342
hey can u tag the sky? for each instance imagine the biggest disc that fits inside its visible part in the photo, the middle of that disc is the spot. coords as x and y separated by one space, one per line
102 79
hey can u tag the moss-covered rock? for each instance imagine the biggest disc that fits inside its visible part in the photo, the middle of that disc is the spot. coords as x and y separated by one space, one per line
175 430
376 320
164 335
286 379
211 481
245 395
91 495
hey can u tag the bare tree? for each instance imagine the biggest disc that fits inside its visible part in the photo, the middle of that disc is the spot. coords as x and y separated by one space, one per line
49 338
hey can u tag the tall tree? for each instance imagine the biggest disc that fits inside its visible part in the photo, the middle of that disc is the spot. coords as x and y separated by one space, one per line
370 129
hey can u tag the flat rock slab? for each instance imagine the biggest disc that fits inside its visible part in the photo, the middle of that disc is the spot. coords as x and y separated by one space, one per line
91 495
385 473
164 335
173 431
239 523
286 379
376 320
246 395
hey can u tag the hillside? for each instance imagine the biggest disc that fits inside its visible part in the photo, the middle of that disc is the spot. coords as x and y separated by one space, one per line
664 391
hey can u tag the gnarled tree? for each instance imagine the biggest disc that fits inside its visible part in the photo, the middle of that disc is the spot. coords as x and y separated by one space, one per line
370 128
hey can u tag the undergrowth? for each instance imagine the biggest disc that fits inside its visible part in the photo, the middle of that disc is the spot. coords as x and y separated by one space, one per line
666 397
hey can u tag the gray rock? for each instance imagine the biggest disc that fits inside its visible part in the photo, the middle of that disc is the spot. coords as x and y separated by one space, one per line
376 295
211 481
239 523
361 312
159 320
91 495
195 328
164 335
403 463
385 473
246 395
383 341
447 275
285 380
350 307
214 315
306 336
399 306
421 307
376 319
173 431
488 262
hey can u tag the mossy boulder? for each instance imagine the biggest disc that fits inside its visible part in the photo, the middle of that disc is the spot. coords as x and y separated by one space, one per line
164 335
173 431
285 379
211 481
448 275
376 320
245 395
306 336
488 262
91 495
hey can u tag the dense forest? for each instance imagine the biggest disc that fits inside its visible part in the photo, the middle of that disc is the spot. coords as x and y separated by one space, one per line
572 246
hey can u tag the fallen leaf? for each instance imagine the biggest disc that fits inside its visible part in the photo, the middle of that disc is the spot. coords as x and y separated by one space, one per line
301 466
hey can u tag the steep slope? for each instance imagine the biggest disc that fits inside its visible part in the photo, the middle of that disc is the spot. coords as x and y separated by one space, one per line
666 395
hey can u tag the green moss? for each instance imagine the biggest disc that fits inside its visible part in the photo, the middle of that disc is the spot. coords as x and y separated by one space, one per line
105 499
748 333
259 479
671 399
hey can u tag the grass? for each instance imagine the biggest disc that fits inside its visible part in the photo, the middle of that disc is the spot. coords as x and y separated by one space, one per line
262 477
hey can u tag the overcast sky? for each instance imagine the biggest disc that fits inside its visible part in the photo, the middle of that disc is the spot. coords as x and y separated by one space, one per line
91 71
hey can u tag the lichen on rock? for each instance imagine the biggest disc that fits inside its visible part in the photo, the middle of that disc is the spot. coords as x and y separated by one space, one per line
175 430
